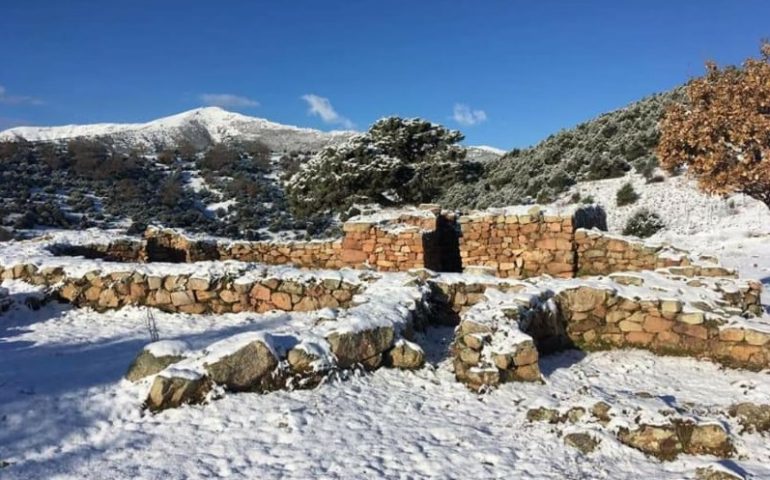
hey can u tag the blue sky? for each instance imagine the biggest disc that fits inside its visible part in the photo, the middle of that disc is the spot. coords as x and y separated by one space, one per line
507 73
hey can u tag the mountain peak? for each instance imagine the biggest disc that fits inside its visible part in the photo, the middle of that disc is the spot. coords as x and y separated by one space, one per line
200 126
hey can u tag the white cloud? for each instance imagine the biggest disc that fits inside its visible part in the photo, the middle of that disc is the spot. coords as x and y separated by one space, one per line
17 99
227 100
322 107
467 117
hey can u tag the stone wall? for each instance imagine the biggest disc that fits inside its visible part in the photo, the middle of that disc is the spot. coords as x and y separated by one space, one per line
502 320
371 334
388 241
599 253
233 291
514 242
597 318
119 250
519 243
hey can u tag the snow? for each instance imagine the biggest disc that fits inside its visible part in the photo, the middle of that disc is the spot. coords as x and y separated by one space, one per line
67 413
488 148
168 348
683 208
552 210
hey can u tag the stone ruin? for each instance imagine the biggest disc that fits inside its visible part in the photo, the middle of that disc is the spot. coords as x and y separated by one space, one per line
518 283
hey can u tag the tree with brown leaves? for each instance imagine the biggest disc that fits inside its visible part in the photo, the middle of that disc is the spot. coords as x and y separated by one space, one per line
722 133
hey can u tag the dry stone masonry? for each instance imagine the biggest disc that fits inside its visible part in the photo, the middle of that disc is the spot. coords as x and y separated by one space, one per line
662 312
372 333
601 254
516 299
513 242
519 243
234 288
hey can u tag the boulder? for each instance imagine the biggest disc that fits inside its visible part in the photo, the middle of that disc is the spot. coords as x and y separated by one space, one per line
658 441
308 357
583 299
177 389
155 357
543 414
715 473
751 416
249 368
668 441
360 347
584 442
405 355
709 439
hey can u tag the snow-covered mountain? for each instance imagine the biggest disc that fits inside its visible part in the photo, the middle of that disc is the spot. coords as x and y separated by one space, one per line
201 127
484 153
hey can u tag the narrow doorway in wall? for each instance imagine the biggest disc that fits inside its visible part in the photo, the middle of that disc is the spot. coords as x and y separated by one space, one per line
442 247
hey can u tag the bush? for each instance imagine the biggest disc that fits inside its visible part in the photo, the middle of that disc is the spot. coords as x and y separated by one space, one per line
626 195
588 200
220 157
643 223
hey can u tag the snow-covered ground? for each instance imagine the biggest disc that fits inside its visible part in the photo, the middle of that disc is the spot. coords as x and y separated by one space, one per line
66 412
684 209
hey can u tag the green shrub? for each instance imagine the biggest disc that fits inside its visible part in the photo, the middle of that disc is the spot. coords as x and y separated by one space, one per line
643 223
626 195
588 200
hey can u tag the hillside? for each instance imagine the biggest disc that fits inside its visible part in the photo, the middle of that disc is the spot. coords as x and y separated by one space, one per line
605 147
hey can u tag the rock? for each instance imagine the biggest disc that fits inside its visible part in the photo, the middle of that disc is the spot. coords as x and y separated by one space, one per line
527 373
709 439
526 354
247 369
584 442
574 414
281 300
543 414
668 441
108 298
670 306
307 357
300 360
751 416
477 378
229 296
405 355
156 357
182 298
475 341
691 318
711 473
174 391
351 348
659 441
584 299
601 411
198 283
